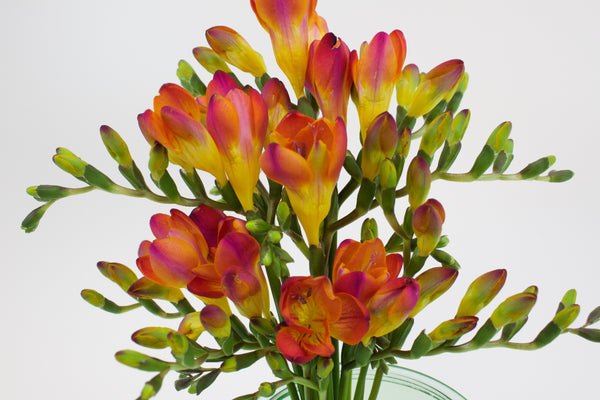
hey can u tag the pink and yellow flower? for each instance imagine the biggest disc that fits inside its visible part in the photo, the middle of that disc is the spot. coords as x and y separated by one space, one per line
313 315
185 245
306 156
237 121
176 124
234 49
364 271
375 74
291 26
328 76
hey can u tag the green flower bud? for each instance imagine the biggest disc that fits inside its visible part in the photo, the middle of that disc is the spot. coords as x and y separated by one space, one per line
481 291
418 181
116 146
513 308
141 361
324 367
368 230
144 288
152 337
266 389
158 162
433 283
459 126
435 134
499 136
453 329
567 316
258 226
118 273
189 79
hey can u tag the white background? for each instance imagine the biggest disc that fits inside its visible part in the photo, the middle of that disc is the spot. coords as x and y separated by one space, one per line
69 66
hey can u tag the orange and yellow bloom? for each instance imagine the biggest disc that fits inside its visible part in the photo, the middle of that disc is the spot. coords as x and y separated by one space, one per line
364 271
176 123
237 121
291 26
306 156
313 315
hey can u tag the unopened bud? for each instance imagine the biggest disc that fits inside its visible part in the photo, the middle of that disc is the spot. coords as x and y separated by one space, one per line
152 337
215 321
513 308
418 182
453 329
116 146
481 291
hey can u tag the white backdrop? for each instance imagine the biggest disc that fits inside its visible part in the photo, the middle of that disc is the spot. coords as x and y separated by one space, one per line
70 66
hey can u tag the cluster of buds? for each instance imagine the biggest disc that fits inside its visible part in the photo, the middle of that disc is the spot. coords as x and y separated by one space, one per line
278 165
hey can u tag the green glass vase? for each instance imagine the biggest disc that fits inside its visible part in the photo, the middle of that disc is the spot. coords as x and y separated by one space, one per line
401 384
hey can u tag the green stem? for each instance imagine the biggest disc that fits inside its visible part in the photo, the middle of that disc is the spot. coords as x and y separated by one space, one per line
376 383
359 391
345 384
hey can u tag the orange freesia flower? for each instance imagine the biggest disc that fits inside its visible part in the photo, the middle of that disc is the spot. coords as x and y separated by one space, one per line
306 157
176 124
364 271
289 24
328 75
314 314
237 121
438 84
234 49
375 74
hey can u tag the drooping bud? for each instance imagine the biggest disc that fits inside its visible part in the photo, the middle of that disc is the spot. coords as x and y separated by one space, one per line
480 292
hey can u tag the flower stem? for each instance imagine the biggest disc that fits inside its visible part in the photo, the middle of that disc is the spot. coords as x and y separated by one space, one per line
376 383
359 391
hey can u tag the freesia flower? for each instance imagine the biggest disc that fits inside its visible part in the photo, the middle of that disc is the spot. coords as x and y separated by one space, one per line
306 157
364 271
328 76
437 85
183 252
234 49
290 25
375 74
238 122
176 124
314 314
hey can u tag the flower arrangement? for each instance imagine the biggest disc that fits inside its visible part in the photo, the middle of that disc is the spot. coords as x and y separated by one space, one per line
283 170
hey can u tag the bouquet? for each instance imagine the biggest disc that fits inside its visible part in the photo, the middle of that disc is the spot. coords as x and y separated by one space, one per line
277 156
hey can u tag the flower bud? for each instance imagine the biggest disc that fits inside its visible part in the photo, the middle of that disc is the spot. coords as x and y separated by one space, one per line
234 49
215 321
140 361
388 176
324 367
433 283
368 230
499 136
144 288
380 143
210 60
407 85
453 329
116 146
513 308
158 162
418 181
404 142
481 291
151 337
438 84
427 225
118 273
459 126
436 133
567 316
191 325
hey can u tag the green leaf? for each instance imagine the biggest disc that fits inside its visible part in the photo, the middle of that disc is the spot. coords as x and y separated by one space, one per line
593 317
205 381
421 345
